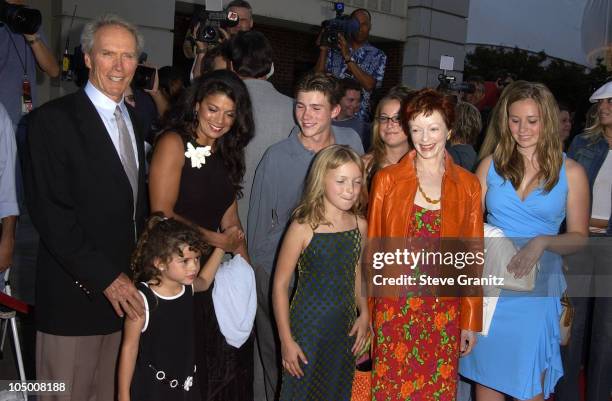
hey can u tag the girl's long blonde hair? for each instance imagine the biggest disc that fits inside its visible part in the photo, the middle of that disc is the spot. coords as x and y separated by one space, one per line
508 162
311 209
594 128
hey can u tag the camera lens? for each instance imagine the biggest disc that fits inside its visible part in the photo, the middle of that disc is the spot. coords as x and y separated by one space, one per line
210 34
19 18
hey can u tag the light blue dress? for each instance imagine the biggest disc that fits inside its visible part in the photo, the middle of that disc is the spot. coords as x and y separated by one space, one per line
523 340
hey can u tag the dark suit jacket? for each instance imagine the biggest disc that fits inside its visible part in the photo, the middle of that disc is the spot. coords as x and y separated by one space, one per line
80 201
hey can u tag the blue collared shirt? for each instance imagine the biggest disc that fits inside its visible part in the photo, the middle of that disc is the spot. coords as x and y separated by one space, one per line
16 60
277 187
8 163
370 59
106 109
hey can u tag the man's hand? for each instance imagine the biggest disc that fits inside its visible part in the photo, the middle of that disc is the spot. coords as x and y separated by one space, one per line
124 297
318 41
467 342
323 52
7 241
233 238
224 35
6 254
31 38
344 47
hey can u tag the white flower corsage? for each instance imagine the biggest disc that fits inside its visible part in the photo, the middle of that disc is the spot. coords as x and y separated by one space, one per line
197 155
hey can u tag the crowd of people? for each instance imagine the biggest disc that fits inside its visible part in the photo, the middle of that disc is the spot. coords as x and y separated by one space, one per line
208 240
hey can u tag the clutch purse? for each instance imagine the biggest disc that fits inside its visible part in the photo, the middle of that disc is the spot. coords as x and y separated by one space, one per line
362 381
500 251
567 318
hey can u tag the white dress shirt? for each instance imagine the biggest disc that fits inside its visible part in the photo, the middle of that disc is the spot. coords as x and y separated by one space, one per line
106 109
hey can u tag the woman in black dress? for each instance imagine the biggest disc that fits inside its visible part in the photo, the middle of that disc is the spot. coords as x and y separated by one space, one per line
195 175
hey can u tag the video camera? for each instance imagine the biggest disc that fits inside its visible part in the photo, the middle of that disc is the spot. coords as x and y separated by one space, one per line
448 83
20 19
343 24
211 21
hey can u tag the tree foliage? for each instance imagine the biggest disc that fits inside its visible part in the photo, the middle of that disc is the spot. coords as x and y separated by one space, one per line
569 82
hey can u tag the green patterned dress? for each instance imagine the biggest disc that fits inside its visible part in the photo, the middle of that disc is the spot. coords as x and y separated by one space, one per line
322 313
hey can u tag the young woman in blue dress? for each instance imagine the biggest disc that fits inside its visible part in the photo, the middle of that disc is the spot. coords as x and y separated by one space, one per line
529 187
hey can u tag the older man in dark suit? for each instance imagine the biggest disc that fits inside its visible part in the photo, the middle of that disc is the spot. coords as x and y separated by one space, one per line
85 191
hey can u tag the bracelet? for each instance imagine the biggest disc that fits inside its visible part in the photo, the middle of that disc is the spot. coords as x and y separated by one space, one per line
348 60
32 41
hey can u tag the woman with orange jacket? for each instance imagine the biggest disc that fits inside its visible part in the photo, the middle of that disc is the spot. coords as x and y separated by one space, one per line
419 337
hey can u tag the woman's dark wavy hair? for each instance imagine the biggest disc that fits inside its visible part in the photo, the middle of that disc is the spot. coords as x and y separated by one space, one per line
231 146
162 238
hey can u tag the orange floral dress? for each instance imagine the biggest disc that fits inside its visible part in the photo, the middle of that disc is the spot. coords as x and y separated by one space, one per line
416 339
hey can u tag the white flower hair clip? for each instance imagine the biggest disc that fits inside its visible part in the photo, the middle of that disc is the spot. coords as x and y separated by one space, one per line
197 155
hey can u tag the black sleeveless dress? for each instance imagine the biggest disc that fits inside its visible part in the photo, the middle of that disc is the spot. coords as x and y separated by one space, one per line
224 373
165 367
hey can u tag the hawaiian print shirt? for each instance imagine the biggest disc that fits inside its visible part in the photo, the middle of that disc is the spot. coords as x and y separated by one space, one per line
370 59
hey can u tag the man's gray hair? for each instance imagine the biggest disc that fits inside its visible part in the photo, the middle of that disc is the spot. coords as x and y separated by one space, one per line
90 29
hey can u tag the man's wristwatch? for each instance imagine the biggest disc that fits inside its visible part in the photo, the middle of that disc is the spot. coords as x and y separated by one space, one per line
348 59
35 39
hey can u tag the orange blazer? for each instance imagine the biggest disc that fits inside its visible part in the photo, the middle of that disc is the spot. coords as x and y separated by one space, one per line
390 210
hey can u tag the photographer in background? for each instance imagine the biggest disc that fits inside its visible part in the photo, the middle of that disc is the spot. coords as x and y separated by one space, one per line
20 55
18 60
245 15
245 23
355 58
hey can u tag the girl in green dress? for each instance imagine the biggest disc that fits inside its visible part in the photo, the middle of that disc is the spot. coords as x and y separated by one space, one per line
327 323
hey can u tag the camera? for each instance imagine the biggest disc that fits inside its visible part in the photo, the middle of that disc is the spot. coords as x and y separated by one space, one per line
211 21
449 83
20 19
343 24
144 77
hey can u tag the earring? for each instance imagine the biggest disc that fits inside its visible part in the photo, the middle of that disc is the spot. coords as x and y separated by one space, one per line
195 114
